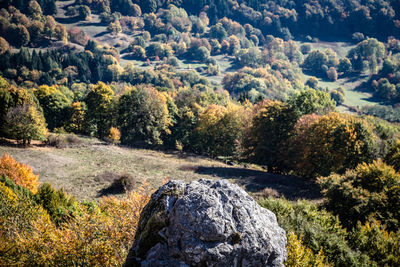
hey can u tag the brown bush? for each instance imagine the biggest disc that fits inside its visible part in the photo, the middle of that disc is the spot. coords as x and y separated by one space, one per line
63 141
121 183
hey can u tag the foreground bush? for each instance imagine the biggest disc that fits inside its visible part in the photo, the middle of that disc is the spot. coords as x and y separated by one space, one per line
96 234
369 191
380 245
319 229
20 173
298 255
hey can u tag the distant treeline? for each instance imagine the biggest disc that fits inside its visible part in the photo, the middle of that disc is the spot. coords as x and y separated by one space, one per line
327 19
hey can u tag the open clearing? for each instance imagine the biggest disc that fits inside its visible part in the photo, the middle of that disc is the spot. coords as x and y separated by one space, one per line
77 170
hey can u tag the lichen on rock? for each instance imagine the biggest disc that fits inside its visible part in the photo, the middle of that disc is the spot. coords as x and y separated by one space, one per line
206 223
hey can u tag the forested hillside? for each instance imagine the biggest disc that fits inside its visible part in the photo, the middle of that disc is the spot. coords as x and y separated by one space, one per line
305 90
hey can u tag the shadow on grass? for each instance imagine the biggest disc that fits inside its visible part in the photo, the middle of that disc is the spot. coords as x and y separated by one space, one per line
100 34
88 24
110 190
289 186
67 20
15 143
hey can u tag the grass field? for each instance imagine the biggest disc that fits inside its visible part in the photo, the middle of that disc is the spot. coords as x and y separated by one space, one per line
353 98
79 170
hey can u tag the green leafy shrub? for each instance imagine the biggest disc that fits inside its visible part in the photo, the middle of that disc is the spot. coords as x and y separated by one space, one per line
368 191
381 246
320 230
60 206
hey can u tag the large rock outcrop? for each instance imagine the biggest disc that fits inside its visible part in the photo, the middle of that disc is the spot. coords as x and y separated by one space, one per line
206 223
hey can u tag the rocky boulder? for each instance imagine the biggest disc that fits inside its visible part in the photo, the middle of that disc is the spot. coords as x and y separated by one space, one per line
206 223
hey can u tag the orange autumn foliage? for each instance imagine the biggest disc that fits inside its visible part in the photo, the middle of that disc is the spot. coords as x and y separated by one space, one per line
20 173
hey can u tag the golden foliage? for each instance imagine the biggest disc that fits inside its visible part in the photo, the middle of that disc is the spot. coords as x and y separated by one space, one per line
298 255
99 235
115 135
20 173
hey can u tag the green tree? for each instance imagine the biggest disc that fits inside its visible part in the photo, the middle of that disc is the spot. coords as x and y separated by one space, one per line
345 65
143 116
311 101
3 45
218 32
35 10
148 6
370 51
219 130
19 35
84 12
54 104
76 118
25 123
386 90
312 82
338 95
315 61
332 74
100 103
270 127
202 54
10 97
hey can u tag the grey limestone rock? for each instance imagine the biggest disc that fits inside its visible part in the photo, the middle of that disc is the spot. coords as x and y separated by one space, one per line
206 223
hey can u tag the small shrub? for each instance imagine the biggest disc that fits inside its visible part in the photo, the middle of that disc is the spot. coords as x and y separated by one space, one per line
63 141
73 141
270 192
56 140
60 206
298 255
115 135
121 183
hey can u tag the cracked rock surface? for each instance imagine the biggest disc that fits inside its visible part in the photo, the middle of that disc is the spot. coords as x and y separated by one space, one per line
206 223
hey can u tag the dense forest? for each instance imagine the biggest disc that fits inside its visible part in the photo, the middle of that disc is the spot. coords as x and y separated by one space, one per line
261 83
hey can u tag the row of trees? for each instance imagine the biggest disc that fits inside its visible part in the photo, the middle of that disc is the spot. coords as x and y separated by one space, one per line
302 135
323 19
32 29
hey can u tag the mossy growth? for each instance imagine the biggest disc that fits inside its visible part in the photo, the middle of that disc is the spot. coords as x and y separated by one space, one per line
149 236
152 220
236 238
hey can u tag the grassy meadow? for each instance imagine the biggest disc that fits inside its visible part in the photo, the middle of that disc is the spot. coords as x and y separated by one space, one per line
82 171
